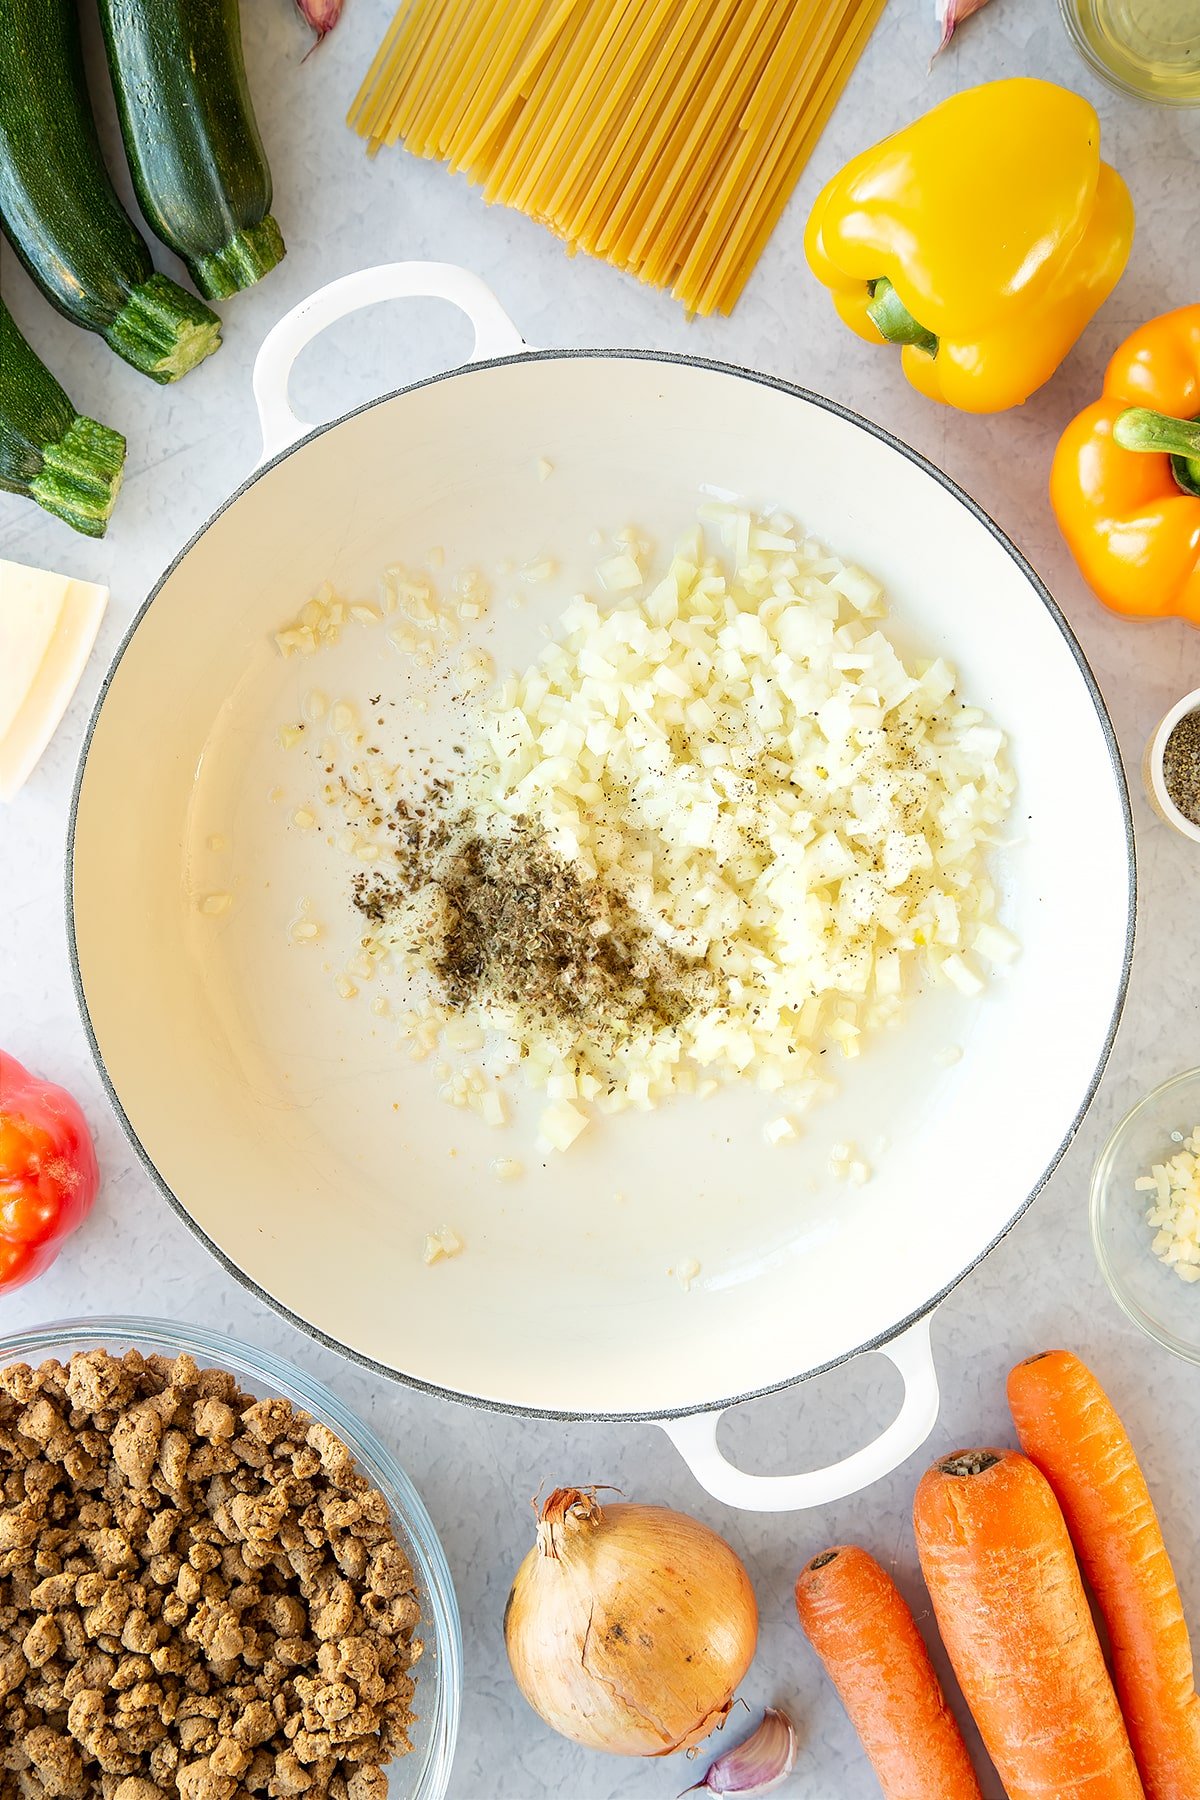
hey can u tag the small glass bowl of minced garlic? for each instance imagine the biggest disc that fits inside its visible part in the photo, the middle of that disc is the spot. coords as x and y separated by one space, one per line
1145 1207
1171 767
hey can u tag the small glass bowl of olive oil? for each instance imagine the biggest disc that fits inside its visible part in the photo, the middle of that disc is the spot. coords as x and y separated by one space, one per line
1147 48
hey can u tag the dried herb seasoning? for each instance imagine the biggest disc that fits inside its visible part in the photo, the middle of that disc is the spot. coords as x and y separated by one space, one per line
1181 766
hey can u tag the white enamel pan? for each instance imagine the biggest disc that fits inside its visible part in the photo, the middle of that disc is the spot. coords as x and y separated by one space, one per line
290 1126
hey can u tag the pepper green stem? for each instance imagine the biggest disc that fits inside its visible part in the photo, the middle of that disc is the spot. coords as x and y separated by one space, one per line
249 255
894 321
1138 428
80 476
163 330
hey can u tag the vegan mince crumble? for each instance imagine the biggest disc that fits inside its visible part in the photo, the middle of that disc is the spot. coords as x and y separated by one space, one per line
200 1593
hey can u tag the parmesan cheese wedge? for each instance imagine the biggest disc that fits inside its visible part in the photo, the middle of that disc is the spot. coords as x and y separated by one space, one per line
48 625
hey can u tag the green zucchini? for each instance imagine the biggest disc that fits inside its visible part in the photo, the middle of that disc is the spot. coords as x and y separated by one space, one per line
49 452
60 209
197 160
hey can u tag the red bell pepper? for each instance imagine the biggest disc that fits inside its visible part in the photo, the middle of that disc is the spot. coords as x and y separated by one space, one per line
48 1172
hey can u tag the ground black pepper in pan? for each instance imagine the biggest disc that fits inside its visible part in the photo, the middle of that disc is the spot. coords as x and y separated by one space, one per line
512 924
521 928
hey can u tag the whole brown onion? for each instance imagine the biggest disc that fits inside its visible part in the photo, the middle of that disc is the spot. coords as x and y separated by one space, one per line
628 1628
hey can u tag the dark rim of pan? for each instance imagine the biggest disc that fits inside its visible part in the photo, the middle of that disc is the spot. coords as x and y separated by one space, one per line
972 506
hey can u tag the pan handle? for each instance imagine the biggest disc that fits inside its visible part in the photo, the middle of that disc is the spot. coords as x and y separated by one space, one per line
495 333
695 1438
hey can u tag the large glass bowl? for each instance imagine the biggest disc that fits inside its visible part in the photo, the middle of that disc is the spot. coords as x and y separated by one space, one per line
1151 1293
424 1774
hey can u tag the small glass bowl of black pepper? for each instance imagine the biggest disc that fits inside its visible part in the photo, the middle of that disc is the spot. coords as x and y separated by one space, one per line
1171 767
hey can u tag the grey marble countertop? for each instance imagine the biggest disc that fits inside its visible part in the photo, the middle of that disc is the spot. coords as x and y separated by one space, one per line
190 444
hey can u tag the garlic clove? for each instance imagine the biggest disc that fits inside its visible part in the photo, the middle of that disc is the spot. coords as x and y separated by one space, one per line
950 15
322 15
756 1765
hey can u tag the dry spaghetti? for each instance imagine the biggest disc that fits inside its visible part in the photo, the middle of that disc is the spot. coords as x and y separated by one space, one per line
662 135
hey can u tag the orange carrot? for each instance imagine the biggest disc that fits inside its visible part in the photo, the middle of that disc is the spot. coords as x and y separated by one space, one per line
857 1622
1014 1618
1069 1428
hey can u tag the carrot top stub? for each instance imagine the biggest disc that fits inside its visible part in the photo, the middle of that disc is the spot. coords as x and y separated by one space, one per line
1015 1621
969 1462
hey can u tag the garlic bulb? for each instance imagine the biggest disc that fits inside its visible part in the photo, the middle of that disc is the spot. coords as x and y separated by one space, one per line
629 1627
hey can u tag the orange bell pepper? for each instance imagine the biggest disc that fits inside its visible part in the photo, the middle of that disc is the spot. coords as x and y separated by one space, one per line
1125 483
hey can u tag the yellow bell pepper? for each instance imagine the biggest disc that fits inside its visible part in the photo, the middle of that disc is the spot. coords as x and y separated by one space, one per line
982 238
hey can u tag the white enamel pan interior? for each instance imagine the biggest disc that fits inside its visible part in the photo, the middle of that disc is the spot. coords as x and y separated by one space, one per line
291 1127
